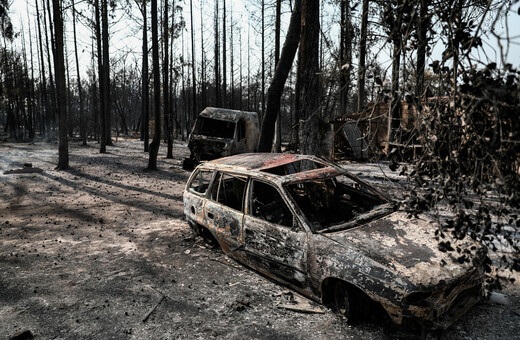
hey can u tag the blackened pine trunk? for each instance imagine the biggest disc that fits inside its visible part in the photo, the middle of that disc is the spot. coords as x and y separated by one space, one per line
83 130
224 62
32 99
280 76
203 59
310 93
43 86
395 105
193 77
145 135
154 146
362 57
63 147
345 57
263 59
217 53
166 91
106 76
101 76
421 49
277 143
52 112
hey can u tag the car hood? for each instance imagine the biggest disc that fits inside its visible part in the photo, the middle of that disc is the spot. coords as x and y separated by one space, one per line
407 246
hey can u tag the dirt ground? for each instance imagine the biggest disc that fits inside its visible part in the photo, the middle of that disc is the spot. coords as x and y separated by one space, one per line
102 251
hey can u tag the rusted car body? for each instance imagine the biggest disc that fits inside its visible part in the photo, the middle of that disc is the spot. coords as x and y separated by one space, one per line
315 227
221 132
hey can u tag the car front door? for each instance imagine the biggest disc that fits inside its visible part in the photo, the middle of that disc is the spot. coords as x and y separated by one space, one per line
273 241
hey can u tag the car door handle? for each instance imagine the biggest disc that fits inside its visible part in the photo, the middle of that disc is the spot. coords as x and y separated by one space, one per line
210 215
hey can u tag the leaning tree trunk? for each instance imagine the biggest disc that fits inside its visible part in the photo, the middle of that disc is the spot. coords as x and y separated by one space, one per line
280 76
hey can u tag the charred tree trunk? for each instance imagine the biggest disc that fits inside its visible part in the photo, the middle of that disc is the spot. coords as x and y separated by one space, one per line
106 74
263 60
345 57
63 147
154 146
277 143
166 91
52 111
83 130
362 57
224 55
280 76
194 82
311 122
421 49
43 87
101 76
145 135
217 53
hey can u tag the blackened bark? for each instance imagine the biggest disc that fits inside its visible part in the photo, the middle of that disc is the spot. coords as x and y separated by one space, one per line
101 73
310 93
59 64
277 143
362 57
166 91
154 146
106 71
145 135
83 130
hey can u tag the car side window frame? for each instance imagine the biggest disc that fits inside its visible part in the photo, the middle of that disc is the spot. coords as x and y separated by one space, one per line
296 226
196 178
216 185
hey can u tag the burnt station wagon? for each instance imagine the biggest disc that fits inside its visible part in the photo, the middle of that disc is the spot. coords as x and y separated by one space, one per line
315 227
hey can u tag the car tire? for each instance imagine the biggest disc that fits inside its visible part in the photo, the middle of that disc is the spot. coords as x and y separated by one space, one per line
188 164
343 301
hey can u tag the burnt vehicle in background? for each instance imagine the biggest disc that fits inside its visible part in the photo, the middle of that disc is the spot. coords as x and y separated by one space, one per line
221 132
315 227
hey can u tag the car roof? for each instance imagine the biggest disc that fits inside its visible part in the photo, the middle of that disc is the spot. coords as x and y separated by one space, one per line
258 163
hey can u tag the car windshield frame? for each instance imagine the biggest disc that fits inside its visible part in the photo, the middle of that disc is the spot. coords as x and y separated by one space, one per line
386 206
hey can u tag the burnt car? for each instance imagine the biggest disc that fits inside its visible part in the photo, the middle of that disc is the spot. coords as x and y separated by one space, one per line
315 227
221 132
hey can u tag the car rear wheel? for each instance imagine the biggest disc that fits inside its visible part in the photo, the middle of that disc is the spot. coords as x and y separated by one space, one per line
343 300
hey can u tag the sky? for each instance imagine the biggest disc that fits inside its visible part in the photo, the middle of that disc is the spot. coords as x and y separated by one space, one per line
126 34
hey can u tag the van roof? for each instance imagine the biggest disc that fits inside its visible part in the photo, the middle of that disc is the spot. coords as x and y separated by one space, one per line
227 114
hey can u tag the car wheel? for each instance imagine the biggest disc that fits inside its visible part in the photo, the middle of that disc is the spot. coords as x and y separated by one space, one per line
343 300
188 164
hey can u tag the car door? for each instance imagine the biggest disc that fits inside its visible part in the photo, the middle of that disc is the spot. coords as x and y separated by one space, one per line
224 210
273 241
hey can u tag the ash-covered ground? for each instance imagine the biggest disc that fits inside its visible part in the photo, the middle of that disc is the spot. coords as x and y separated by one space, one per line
102 251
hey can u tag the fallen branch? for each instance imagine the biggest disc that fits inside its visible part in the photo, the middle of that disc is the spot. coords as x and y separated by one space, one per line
153 309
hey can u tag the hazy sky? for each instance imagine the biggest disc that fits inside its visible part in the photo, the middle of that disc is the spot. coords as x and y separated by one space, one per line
126 34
